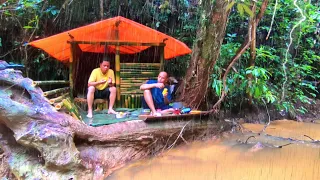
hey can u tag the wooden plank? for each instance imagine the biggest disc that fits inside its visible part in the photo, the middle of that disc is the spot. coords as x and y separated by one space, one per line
149 118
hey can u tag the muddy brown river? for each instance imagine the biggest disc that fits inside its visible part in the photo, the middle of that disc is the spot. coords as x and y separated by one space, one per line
266 156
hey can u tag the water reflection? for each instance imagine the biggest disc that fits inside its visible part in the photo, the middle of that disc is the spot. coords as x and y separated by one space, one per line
231 158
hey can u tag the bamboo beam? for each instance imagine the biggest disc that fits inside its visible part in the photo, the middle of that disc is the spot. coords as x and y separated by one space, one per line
115 43
55 91
123 81
131 92
141 64
57 99
130 85
39 83
139 72
125 75
139 78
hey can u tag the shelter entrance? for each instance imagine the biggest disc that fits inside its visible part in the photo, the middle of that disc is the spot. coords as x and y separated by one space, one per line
135 69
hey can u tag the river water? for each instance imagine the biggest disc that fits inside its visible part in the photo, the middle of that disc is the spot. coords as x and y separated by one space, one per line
234 156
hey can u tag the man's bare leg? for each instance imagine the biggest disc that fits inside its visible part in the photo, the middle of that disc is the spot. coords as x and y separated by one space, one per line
90 97
148 98
112 99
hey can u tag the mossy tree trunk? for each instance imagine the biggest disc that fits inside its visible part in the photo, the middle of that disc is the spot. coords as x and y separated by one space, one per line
206 51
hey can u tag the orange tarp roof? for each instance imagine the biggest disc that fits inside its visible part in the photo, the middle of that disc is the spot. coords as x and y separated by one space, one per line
102 31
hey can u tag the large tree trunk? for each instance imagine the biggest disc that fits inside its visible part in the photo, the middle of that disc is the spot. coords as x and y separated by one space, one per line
206 51
41 143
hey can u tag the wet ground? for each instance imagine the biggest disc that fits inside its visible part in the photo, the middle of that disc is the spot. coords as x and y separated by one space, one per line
286 150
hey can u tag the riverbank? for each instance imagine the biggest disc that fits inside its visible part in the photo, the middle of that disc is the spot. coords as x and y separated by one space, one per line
281 152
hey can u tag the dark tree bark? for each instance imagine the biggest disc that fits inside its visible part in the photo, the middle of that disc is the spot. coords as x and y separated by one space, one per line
206 51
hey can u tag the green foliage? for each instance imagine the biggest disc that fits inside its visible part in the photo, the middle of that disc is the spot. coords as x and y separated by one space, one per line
26 19
268 74
242 7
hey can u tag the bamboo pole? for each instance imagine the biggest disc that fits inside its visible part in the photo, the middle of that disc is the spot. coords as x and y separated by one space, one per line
129 101
39 83
132 101
55 91
58 105
57 99
71 108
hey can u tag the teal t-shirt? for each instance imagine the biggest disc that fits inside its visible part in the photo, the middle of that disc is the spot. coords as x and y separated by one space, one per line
157 96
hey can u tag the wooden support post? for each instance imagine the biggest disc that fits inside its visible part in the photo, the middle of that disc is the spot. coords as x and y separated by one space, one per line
117 62
71 60
118 74
161 51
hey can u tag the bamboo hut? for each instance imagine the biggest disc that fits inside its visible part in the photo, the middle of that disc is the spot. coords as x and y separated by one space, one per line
137 54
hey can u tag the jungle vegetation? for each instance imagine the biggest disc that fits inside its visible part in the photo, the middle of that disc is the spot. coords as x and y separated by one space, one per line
256 53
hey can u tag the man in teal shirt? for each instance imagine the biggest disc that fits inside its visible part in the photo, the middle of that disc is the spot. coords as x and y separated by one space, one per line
154 95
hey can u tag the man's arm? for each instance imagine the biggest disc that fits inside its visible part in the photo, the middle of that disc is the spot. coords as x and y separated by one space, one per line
96 83
150 86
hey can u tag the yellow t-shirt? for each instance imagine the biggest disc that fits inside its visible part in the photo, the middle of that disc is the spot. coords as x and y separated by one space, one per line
97 75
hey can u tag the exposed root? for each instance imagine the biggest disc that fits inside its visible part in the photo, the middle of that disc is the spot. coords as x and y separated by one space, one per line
282 145
180 135
249 138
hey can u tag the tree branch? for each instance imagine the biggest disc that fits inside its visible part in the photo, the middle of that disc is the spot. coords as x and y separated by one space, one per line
240 51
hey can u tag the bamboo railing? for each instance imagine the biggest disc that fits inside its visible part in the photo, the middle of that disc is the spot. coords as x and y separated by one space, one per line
39 83
59 98
55 91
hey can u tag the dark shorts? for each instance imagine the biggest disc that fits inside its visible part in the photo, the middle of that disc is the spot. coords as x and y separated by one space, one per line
102 94
161 106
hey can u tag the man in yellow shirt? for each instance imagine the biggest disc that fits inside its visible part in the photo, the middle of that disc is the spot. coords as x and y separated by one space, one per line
101 86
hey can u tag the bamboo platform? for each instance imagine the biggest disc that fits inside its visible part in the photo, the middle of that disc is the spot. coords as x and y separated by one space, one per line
198 115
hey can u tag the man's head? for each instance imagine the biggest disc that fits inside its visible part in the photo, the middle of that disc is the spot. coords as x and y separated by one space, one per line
163 77
104 65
